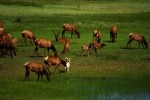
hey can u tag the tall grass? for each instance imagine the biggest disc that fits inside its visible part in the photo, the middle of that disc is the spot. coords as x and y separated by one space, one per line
113 73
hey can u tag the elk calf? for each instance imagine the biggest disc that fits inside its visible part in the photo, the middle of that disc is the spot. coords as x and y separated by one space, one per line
60 39
85 49
66 47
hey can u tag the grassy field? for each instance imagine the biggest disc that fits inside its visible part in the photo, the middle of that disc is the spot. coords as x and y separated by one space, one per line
114 73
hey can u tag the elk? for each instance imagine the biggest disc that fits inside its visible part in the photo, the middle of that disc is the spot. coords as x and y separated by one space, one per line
137 37
43 43
97 35
5 36
28 34
36 67
60 39
72 28
5 46
66 47
14 40
113 33
57 61
85 49
95 45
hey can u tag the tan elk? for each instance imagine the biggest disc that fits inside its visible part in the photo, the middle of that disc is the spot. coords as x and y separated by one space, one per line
66 47
113 33
46 44
137 37
28 34
85 50
72 28
60 39
57 61
38 68
97 36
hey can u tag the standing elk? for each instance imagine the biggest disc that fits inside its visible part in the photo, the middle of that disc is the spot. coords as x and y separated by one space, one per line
97 36
57 61
38 68
137 37
28 34
113 33
14 40
72 28
5 46
66 47
43 43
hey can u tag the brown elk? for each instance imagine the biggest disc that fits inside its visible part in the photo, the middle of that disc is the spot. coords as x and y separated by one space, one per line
113 33
95 45
5 46
85 50
5 36
72 28
28 34
97 35
43 43
137 37
14 40
57 61
66 47
60 39
38 68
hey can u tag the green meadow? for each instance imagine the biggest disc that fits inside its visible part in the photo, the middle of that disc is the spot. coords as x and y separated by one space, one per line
114 73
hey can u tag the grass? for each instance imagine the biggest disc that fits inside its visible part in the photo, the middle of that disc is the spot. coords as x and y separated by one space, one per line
113 73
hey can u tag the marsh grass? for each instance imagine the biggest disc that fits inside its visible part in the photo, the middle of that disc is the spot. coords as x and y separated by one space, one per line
115 72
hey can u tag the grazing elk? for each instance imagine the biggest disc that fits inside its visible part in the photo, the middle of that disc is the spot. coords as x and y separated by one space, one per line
28 34
113 33
72 28
137 37
38 68
97 36
5 46
43 43
85 49
66 47
57 61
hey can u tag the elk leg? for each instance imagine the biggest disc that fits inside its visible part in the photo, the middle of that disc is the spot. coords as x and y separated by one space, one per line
36 50
27 74
129 43
38 76
63 33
